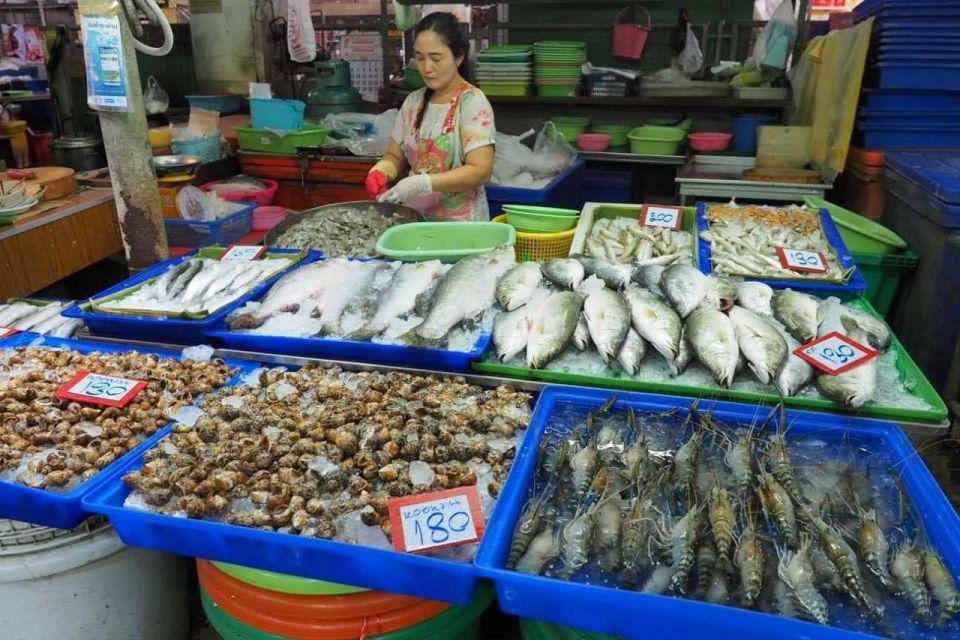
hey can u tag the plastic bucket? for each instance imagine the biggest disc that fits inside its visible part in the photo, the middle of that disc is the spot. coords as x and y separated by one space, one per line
629 40
40 143
277 113
744 129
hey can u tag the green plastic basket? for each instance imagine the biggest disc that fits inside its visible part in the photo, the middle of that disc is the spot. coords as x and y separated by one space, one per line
617 132
264 140
283 583
860 234
558 91
444 241
537 630
655 140
884 275
507 89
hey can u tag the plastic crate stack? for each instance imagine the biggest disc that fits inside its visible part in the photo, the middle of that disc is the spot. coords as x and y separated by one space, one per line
506 70
912 99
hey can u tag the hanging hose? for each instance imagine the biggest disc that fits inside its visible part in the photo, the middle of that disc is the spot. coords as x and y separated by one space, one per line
155 16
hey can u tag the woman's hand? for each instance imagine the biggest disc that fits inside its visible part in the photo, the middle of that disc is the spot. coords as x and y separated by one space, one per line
408 188
380 176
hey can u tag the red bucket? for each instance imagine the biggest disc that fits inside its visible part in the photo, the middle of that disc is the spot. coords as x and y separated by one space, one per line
629 39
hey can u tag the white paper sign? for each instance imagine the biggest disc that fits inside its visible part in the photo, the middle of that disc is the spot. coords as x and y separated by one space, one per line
97 388
242 253
799 260
653 215
835 353
434 520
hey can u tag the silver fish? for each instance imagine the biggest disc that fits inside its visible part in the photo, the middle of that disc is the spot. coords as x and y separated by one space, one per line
685 287
614 274
797 372
797 312
684 355
564 272
225 279
608 319
878 333
16 312
163 284
855 387
649 277
581 336
517 287
721 292
551 327
760 342
41 315
180 283
51 323
355 283
632 352
209 272
67 329
510 332
400 297
756 297
464 293
655 321
714 342
304 286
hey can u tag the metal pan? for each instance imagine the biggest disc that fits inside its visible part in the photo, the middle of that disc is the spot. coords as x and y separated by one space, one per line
363 206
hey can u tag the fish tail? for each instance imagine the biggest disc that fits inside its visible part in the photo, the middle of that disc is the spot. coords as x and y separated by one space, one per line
412 338
365 333
244 321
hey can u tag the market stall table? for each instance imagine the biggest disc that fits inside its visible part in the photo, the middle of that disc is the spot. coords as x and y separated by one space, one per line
311 181
56 240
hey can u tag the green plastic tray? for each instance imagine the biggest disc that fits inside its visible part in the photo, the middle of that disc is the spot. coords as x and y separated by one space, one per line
251 139
558 91
507 89
908 369
444 241
537 630
528 208
860 234
283 583
591 214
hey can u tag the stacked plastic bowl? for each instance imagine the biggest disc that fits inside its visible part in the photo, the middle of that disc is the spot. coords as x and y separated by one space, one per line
506 70
249 604
558 67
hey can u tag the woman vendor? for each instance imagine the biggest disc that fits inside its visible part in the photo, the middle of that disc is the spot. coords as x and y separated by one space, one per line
444 134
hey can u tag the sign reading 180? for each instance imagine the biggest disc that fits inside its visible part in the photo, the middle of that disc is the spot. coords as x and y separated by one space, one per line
98 388
437 519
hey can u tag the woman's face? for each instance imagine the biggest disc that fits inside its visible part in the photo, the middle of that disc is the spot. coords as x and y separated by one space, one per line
435 61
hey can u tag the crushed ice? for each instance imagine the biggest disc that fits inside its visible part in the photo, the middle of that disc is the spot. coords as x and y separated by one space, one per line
198 353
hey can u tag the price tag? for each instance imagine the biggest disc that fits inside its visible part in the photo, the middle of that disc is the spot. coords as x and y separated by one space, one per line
655 215
6 332
97 388
805 261
435 520
242 253
835 353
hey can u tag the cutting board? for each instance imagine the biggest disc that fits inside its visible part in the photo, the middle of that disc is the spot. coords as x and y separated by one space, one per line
59 181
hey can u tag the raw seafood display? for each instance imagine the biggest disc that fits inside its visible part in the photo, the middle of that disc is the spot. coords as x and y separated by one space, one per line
733 330
319 452
623 239
55 444
744 515
420 303
38 316
195 286
348 231
744 240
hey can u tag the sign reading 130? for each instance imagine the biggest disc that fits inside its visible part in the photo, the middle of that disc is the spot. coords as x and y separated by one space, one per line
98 388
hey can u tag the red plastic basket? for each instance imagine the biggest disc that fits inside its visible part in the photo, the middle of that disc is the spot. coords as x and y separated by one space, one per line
629 39
261 198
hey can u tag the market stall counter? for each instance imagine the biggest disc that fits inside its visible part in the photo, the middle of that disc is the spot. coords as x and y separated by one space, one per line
67 235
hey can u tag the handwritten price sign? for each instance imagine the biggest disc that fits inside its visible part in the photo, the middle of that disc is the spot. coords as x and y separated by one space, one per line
804 261
6 332
435 520
242 253
835 353
97 388
654 215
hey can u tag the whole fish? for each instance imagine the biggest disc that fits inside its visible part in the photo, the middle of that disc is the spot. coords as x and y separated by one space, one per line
400 297
566 273
181 281
760 342
67 329
878 333
36 319
551 327
162 286
685 287
510 332
355 283
464 293
242 281
797 312
303 286
684 355
517 287
615 275
581 336
649 277
756 297
224 279
855 387
655 321
608 319
721 292
797 372
209 271
51 323
713 340
16 312
632 352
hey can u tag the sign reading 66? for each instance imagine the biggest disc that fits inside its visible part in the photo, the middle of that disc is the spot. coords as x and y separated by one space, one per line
101 389
835 353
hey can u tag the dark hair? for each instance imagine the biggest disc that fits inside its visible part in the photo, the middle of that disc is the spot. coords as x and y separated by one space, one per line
452 34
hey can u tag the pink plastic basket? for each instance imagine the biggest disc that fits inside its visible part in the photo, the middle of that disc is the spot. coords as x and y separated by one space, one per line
261 198
630 39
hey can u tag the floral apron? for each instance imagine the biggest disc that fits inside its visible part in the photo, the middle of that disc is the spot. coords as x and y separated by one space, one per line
434 155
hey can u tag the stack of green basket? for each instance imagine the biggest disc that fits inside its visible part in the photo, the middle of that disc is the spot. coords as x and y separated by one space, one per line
558 67
537 630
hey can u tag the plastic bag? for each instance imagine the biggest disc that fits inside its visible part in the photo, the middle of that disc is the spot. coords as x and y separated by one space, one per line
552 153
301 38
512 157
691 58
361 133
155 99
773 46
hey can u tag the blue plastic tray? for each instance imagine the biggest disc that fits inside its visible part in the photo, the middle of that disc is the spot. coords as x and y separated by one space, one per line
936 173
909 100
173 330
856 283
636 615
931 120
64 510
563 191
878 135
915 75
340 562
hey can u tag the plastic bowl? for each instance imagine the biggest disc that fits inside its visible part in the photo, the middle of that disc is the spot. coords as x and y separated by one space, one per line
267 217
654 140
712 141
594 141
617 132
261 198
550 211
284 583
418 241
540 222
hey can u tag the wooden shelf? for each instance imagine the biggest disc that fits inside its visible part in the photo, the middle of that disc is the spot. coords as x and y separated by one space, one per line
642 101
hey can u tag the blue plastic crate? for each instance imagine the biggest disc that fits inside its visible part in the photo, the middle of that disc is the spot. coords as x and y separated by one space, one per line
909 100
173 330
633 614
225 231
330 560
606 185
856 283
64 510
931 120
563 191
881 135
915 75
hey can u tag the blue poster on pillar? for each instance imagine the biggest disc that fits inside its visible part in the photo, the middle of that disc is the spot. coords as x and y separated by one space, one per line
107 88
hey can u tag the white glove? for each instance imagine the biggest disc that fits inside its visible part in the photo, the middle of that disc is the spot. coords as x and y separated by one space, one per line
408 188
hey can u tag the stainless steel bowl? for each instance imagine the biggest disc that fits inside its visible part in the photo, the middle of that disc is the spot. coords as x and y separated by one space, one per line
176 165
406 214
